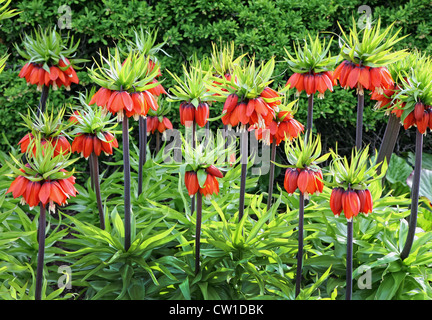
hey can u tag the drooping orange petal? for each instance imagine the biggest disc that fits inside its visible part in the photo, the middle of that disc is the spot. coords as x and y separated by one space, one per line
350 204
42 73
67 187
419 109
309 84
115 102
73 77
201 114
423 123
235 117
241 111
61 76
167 123
338 70
150 100
103 97
364 78
18 186
230 103
261 107
291 180
97 146
368 202
336 201
44 192
214 171
127 100
293 80
273 126
111 139
57 194
77 144
345 72
88 146
139 103
54 73
32 193
250 107
191 182
375 77
353 78
25 70
312 185
303 180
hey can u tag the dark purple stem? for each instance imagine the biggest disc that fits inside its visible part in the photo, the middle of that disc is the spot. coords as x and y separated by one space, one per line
41 252
127 180
414 196
198 232
95 176
300 244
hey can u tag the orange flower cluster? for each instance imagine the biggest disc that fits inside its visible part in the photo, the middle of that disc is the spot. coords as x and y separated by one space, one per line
60 144
351 202
255 112
211 184
43 192
312 82
384 98
421 117
353 75
35 74
87 143
135 104
284 126
154 124
308 181
188 114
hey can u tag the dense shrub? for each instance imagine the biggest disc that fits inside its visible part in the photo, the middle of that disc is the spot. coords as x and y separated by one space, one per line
259 27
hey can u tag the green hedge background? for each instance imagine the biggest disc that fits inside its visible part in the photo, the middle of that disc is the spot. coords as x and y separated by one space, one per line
260 27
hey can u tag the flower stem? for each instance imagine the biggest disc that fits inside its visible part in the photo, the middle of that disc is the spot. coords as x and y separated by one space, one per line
225 135
95 174
271 178
127 178
41 252
244 160
91 168
300 244
142 151
198 232
207 132
309 122
157 141
359 126
349 257
349 260
414 196
193 146
389 140
43 99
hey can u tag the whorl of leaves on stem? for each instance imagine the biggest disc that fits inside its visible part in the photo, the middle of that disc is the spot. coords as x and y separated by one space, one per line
357 173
